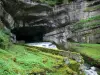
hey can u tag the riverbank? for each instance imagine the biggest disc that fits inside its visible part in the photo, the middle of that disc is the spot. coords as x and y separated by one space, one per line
90 50
90 53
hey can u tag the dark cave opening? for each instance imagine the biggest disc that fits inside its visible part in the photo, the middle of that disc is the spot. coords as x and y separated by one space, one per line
29 34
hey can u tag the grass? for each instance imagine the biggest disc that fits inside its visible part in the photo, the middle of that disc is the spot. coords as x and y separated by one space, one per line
89 50
92 50
28 58
18 60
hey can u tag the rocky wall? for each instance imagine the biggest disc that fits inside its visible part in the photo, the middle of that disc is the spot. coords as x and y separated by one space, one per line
75 12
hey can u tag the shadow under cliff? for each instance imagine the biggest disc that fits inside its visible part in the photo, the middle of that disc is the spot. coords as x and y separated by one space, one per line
29 34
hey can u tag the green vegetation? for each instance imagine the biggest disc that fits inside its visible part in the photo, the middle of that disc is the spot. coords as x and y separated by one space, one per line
91 52
19 60
56 2
53 51
52 2
4 39
87 23
92 8
22 60
59 53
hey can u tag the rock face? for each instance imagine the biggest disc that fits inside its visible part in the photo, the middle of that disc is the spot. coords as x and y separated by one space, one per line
62 23
30 20
77 22
25 12
59 36
21 16
5 17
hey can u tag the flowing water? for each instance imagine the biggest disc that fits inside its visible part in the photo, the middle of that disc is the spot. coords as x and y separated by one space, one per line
43 44
91 70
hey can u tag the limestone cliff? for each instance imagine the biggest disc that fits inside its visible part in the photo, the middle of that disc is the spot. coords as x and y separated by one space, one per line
77 21
35 20
25 17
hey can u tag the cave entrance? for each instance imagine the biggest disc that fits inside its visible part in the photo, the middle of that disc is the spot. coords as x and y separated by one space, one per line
29 34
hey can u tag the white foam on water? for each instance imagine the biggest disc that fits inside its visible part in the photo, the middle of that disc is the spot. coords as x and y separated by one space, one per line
43 44
91 71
